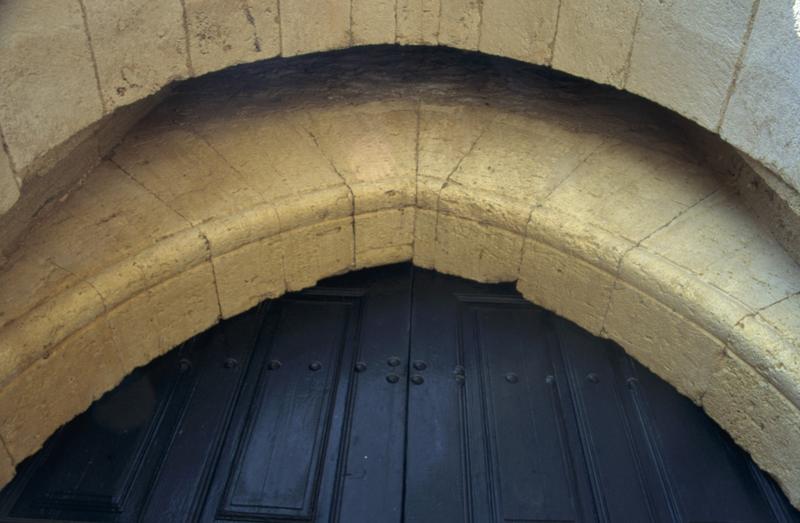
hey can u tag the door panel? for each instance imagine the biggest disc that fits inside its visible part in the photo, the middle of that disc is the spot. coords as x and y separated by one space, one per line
394 394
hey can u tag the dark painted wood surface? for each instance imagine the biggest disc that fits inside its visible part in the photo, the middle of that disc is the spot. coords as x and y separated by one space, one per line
388 395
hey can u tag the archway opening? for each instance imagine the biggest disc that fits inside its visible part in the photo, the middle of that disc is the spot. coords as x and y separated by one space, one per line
394 394
260 181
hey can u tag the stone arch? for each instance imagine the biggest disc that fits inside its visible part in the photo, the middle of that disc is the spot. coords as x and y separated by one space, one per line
589 200
729 67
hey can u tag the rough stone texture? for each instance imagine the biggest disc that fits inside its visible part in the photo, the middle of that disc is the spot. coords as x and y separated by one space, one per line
672 346
564 284
308 26
761 118
520 29
249 275
222 34
223 198
149 324
53 390
459 23
9 190
6 466
374 21
476 250
418 22
736 246
684 54
139 45
44 100
760 419
384 237
595 38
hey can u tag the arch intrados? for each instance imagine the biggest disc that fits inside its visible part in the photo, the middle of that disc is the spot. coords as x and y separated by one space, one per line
594 208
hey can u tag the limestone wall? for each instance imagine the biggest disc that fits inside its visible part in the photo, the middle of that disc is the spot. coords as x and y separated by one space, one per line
243 187
729 65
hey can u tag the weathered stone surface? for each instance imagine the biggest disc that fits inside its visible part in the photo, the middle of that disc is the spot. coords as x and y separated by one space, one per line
595 38
446 135
248 275
760 419
418 22
308 26
424 238
521 29
139 45
316 252
44 100
6 466
9 190
677 349
517 162
187 174
476 250
761 117
54 389
117 217
459 23
666 65
565 284
738 255
769 341
373 148
619 180
272 153
374 21
384 237
222 34
149 324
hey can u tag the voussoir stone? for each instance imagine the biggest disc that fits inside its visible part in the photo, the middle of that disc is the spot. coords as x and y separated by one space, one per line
666 65
595 38
520 29
43 100
761 117
222 34
374 21
139 45
309 26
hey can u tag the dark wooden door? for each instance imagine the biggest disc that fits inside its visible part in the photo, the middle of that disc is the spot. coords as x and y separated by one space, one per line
388 395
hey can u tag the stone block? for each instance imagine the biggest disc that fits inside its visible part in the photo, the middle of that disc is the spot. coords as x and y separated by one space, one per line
139 45
248 275
738 256
9 189
54 389
159 318
418 22
374 21
425 239
316 252
565 284
520 29
476 251
459 23
760 419
666 65
761 117
595 38
222 34
310 26
44 99
384 237
677 349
